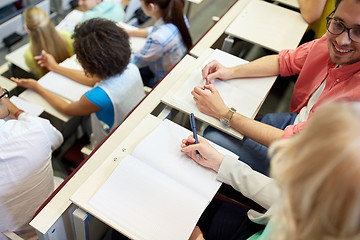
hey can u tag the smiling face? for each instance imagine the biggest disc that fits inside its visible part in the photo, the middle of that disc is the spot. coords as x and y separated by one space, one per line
342 49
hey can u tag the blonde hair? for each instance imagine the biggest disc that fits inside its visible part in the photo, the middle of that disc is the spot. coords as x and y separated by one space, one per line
318 171
44 36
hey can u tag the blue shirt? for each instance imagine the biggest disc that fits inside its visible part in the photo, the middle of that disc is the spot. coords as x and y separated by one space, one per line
164 47
99 97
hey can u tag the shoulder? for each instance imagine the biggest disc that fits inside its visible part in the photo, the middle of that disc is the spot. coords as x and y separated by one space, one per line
164 32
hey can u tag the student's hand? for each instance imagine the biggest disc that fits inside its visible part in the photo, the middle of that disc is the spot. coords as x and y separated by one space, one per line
46 60
26 83
209 156
214 70
211 102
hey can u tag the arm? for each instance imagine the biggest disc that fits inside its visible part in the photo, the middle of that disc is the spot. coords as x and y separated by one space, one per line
212 104
48 61
239 175
262 67
141 32
311 10
78 108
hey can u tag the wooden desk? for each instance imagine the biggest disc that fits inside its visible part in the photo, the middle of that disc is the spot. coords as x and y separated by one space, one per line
17 57
268 25
218 29
56 213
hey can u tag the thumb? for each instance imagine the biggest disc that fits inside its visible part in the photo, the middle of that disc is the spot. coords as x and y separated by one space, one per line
211 87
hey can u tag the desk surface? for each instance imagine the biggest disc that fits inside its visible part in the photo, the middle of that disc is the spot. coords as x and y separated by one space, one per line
61 201
17 57
218 29
268 25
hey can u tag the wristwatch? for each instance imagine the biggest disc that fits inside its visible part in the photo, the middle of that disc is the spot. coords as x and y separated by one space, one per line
226 120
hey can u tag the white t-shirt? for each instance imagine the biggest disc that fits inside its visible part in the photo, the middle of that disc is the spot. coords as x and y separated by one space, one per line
26 174
305 111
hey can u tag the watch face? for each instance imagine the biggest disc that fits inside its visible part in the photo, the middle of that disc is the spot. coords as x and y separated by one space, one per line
225 122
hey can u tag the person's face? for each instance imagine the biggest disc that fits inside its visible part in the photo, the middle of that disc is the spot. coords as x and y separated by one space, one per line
3 105
145 8
88 4
342 49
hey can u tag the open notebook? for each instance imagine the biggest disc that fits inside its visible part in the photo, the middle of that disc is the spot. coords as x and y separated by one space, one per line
157 192
246 95
63 86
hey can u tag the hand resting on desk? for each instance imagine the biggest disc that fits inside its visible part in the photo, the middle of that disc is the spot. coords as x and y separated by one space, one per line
209 102
214 70
209 156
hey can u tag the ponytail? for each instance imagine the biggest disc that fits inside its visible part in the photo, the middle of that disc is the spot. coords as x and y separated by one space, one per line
172 12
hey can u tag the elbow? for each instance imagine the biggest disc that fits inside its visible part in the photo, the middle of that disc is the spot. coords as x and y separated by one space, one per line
310 19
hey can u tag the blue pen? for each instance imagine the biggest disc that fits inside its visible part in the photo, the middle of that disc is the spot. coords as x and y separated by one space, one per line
193 127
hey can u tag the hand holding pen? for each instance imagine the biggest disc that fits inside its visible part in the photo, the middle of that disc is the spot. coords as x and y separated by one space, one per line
208 156
46 60
214 70
193 127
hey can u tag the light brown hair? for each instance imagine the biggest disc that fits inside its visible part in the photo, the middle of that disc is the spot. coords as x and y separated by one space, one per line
318 172
44 36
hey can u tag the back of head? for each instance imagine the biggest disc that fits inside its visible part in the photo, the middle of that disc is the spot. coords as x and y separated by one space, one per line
172 12
102 48
318 171
44 36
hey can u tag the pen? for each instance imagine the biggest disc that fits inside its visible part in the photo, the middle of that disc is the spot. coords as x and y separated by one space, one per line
203 88
193 127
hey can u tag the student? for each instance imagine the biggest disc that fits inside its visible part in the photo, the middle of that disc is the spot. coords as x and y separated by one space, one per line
314 12
43 36
110 10
103 50
167 42
303 200
26 174
328 68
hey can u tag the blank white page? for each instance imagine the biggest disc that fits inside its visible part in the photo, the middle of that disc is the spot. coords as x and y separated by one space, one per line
161 150
27 106
62 85
147 203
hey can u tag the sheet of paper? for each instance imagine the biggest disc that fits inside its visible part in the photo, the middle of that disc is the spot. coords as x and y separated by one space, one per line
27 106
62 85
157 192
147 203
165 140
69 22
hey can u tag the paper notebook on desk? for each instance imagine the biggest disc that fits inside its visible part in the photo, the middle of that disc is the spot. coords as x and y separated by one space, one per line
245 95
157 192
27 106
63 86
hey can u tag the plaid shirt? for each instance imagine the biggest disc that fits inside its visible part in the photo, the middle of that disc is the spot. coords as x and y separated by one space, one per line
164 47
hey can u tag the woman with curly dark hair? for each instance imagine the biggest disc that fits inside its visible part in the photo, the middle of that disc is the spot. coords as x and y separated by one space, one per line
103 50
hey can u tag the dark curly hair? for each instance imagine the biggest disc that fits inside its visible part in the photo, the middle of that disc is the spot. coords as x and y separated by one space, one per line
102 48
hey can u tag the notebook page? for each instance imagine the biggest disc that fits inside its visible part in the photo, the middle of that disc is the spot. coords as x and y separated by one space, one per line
63 86
147 203
161 150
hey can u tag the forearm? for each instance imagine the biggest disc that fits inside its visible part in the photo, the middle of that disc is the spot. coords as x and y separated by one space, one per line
311 10
141 32
75 75
262 67
54 100
257 131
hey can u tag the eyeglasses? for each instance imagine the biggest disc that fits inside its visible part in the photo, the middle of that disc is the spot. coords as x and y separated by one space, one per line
5 93
336 27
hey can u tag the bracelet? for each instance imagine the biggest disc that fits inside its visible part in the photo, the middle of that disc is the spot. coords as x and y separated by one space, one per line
17 113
